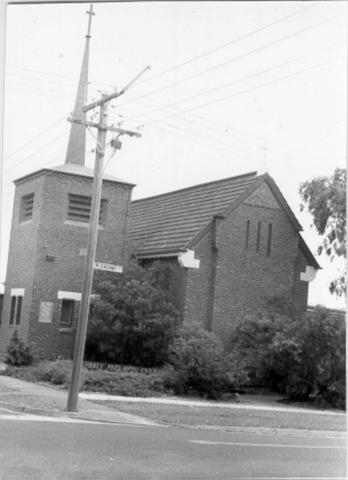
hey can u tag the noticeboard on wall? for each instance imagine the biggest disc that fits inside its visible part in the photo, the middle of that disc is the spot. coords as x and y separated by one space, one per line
46 311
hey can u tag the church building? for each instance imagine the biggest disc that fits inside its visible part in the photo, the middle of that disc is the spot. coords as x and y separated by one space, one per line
230 244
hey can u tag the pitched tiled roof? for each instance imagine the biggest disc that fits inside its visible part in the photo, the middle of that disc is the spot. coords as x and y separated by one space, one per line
167 223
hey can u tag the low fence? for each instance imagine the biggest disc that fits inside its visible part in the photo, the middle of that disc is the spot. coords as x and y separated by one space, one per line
111 367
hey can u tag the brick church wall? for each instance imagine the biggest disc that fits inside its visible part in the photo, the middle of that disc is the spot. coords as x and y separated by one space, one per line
200 283
300 288
245 279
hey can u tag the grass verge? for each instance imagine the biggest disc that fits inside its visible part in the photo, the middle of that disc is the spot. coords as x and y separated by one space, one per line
230 417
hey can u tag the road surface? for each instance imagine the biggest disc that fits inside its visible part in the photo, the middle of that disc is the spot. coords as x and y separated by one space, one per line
33 447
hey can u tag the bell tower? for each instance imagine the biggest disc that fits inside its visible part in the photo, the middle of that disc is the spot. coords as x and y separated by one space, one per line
48 241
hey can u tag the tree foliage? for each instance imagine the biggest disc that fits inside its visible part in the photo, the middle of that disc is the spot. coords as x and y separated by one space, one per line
303 357
133 319
325 199
308 357
200 365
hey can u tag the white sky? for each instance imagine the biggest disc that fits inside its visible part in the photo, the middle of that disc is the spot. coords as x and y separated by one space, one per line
272 100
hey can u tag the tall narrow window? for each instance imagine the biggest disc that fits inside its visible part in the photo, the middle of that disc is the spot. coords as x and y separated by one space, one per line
258 237
269 239
67 312
13 309
18 310
16 305
1 305
26 208
247 233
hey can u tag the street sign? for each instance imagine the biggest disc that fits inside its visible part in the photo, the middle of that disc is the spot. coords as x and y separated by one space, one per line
109 267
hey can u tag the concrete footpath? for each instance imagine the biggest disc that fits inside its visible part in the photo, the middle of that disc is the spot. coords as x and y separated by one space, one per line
30 398
25 397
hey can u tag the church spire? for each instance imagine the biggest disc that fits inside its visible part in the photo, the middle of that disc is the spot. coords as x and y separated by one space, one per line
77 140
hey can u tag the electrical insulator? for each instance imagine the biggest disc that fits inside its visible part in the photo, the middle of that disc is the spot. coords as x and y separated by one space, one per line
116 144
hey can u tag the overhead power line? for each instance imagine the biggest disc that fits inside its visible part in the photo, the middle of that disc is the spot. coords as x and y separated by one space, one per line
49 74
279 79
223 86
224 45
36 152
223 130
52 125
44 164
40 89
234 59
70 85
184 63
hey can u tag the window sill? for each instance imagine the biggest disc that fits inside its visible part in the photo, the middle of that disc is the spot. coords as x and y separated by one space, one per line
67 329
81 224
25 222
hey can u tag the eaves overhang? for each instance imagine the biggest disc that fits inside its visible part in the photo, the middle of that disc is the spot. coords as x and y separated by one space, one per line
161 254
308 254
81 174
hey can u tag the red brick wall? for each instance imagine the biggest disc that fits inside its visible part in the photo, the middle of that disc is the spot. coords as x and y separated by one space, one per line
21 260
300 288
50 235
245 279
200 283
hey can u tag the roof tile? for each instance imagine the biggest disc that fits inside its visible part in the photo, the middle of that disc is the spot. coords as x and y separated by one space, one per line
168 222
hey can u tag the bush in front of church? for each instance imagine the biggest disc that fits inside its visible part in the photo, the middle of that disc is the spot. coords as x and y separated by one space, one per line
199 365
18 353
302 357
133 320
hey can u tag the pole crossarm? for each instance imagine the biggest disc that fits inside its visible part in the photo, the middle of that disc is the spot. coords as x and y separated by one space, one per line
121 131
111 96
104 99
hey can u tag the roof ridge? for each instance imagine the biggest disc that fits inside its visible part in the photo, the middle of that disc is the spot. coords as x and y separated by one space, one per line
249 174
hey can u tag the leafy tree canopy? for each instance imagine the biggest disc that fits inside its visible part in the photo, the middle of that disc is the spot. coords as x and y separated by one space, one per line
133 320
325 199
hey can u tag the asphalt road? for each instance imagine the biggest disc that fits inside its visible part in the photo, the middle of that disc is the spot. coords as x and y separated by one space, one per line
42 449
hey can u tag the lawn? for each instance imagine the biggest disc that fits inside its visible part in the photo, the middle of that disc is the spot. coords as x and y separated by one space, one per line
230 417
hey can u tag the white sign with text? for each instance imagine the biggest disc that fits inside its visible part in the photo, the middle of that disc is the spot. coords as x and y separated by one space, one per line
108 267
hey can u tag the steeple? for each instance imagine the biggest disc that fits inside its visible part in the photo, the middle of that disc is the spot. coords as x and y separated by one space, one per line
77 140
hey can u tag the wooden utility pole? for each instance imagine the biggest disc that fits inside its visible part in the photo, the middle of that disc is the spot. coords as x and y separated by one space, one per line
92 239
90 257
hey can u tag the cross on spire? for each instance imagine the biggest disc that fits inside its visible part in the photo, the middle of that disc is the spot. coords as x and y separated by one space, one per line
90 13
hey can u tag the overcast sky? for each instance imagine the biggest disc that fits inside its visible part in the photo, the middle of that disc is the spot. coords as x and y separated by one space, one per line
233 87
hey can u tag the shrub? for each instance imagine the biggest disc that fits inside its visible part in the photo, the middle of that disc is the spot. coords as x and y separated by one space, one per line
309 357
133 321
303 357
131 384
18 353
199 365
57 372
115 383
